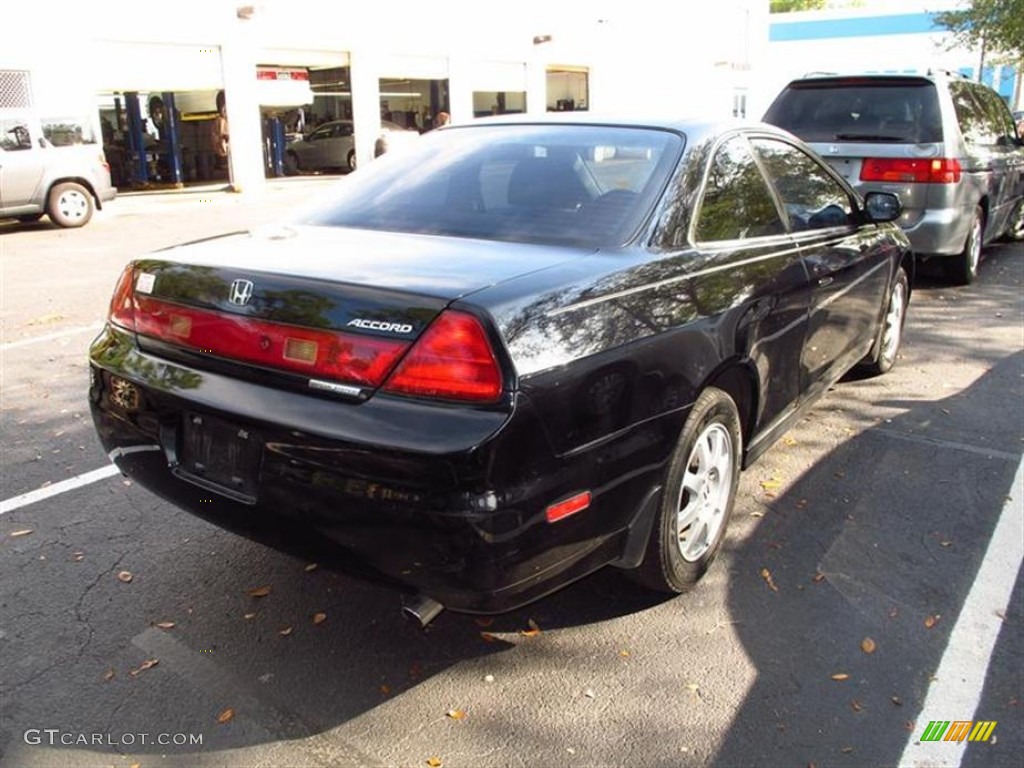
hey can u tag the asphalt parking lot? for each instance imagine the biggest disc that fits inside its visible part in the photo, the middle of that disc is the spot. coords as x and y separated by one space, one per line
874 558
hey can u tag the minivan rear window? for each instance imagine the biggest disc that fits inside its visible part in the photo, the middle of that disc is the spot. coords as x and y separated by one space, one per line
890 110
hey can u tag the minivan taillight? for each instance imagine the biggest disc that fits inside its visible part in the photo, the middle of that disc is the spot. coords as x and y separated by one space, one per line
926 170
452 360
122 305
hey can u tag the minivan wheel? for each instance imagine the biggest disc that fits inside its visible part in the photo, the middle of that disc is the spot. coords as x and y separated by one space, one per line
890 335
698 496
1015 231
70 205
964 268
351 160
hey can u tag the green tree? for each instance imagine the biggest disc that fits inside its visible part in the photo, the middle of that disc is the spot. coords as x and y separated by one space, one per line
993 26
786 6
997 25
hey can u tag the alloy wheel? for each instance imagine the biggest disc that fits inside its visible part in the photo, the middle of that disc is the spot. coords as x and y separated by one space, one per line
705 492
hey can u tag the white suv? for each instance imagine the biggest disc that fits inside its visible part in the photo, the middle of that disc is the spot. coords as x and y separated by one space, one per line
67 183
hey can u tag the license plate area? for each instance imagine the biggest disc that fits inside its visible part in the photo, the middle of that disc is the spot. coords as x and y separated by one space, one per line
220 455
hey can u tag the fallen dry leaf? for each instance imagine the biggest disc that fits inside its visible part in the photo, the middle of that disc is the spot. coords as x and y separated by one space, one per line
259 592
840 676
931 621
856 705
434 762
847 750
250 616
757 513
319 618
165 624
910 725
589 693
894 612
147 664
767 576
1001 615
818 577
455 714
868 645
771 485
945 543
896 700
311 567
285 632
22 532
789 441
125 576
693 687
226 716
623 653
78 556
533 630
109 675
385 690
487 637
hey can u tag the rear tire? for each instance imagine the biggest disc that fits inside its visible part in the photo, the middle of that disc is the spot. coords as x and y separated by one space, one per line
291 164
70 205
351 160
1015 231
890 335
963 269
698 497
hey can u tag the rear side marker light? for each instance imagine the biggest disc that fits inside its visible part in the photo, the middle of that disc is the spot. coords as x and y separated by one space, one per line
569 507
922 170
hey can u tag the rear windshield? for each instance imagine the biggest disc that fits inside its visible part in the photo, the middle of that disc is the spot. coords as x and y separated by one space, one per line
589 186
861 110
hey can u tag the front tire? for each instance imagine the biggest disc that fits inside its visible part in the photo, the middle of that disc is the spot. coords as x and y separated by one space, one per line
890 335
70 205
964 268
698 496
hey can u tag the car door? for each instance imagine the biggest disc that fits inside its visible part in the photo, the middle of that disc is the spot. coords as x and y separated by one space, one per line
1007 159
739 229
21 164
313 155
849 276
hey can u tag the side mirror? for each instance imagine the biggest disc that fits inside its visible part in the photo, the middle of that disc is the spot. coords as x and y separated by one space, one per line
882 206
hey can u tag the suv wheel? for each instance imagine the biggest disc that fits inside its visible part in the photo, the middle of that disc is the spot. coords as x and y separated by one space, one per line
70 205
964 268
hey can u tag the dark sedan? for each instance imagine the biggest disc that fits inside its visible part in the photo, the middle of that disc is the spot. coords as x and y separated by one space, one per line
523 350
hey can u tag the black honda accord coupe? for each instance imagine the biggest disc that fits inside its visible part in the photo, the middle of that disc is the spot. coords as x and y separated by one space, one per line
521 351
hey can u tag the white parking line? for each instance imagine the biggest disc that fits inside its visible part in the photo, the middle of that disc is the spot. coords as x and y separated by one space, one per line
95 327
56 489
960 678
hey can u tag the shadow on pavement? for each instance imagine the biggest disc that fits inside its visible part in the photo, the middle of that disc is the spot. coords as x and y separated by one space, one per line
881 539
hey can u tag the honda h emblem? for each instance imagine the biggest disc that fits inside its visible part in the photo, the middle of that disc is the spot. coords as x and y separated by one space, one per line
241 292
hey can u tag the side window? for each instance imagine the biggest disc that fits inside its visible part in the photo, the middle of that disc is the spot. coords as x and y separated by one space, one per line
812 198
996 112
974 125
15 135
737 203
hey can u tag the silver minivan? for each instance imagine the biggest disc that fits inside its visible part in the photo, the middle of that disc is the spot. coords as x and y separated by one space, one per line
947 146
66 182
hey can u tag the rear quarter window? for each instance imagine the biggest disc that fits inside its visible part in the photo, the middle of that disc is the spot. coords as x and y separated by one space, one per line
859 110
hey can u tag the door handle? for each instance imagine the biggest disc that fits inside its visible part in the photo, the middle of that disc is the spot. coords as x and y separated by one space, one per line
827 280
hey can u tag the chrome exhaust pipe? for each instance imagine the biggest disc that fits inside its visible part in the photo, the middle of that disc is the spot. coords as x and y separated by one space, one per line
421 609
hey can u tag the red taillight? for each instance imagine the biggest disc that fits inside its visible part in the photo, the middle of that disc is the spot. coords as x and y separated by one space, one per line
570 506
312 352
936 170
452 361
122 305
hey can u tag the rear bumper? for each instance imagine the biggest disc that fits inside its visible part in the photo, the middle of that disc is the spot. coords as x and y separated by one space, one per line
455 513
940 232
